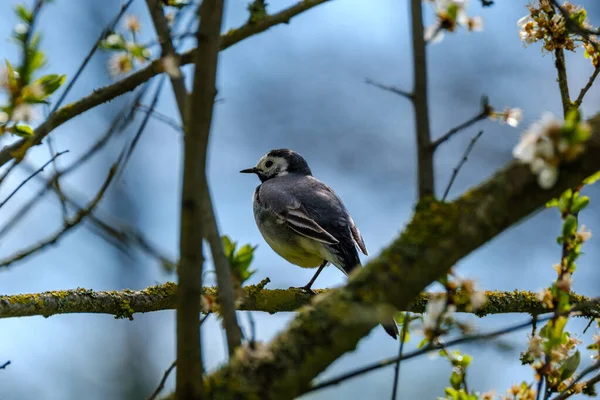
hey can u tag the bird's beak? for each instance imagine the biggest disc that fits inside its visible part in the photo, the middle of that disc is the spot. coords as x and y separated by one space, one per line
252 170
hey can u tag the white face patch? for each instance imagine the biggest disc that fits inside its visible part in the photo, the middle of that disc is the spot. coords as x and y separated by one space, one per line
272 166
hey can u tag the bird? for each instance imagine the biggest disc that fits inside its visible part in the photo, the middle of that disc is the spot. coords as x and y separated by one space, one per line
303 220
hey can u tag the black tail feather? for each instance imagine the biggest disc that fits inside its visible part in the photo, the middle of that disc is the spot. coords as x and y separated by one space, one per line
391 329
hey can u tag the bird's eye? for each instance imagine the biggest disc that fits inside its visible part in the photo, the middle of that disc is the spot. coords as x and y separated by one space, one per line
268 164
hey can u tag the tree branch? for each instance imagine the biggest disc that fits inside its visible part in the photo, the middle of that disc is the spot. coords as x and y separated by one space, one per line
126 303
107 93
438 236
425 169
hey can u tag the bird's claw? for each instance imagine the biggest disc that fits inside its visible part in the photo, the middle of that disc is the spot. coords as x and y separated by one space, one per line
304 289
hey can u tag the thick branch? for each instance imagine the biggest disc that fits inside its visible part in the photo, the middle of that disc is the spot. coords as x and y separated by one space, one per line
438 236
424 152
107 93
125 303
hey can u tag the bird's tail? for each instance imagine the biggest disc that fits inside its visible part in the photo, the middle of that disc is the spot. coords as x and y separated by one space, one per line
391 328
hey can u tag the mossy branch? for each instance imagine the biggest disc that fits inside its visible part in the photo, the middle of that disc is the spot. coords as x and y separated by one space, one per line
126 303
110 92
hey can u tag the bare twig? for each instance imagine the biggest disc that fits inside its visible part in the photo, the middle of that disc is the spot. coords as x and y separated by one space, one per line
31 177
392 89
6 364
107 93
413 354
160 117
162 382
479 117
425 169
168 52
67 225
90 54
587 87
462 162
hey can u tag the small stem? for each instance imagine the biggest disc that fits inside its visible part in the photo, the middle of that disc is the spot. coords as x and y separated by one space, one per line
562 80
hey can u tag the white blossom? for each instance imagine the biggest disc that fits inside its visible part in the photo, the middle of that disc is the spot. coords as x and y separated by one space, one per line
21 29
119 64
584 233
171 66
477 299
132 23
514 116
433 311
114 39
547 177
3 117
24 112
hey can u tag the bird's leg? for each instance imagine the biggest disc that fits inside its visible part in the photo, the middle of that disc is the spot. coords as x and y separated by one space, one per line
307 287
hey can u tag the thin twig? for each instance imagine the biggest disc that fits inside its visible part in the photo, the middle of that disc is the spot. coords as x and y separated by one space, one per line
425 169
161 385
587 87
160 117
31 177
6 364
390 361
483 114
405 324
67 225
88 57
462 162
388 88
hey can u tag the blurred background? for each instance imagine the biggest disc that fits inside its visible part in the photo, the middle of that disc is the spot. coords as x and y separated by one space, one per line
299 86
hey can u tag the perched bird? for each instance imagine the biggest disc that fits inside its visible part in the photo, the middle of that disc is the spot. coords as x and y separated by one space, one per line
303 220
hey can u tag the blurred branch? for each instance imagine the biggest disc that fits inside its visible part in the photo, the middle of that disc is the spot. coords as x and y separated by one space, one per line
6 364
462 162
425 169
168 52
587 87
210 228
38 171
438 236
107 93
254 298
405 323
160 117
67 225
391 89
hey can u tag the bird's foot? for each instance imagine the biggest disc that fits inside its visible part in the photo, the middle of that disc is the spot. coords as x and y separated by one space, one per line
304 288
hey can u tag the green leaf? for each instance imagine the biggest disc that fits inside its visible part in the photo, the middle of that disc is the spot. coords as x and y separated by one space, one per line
552 203
570 366
569 226
592 179
580 204
422 343
23 130
456 379
244 255
228 246
23 13
51 82
453 393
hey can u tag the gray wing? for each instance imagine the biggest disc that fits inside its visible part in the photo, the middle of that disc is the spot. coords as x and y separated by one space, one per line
289 209
313 210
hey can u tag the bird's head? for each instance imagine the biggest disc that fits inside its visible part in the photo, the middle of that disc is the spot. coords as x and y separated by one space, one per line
279 162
